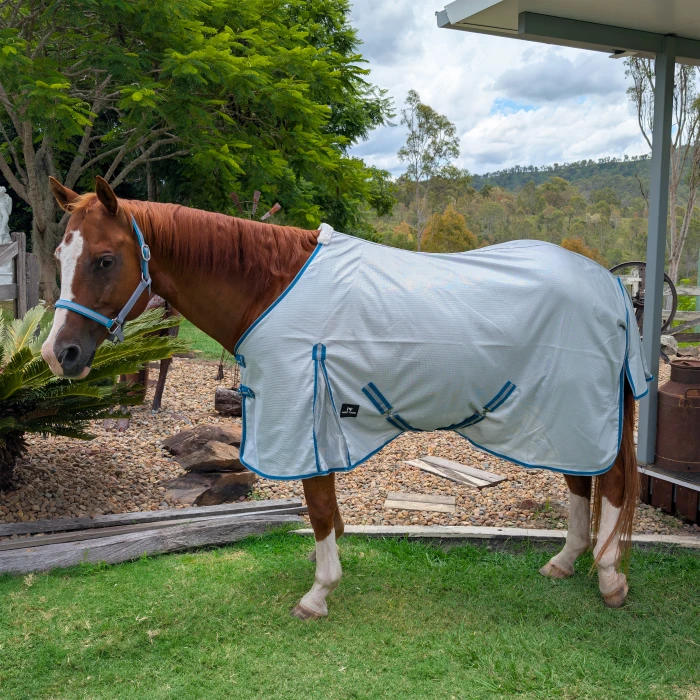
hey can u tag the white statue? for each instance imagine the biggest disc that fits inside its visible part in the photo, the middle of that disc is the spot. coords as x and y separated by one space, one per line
5 211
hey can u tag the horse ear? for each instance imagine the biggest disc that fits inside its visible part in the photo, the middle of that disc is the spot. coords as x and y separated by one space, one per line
63 195
106 195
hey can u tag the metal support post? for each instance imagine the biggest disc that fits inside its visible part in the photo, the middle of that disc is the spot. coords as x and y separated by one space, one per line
656 244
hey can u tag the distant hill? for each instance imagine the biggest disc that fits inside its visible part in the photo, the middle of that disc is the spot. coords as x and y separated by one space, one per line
588 175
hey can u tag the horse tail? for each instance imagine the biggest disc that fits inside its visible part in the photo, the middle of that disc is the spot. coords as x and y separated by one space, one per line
625 468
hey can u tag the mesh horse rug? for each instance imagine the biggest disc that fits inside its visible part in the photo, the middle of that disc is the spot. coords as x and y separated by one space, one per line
522 348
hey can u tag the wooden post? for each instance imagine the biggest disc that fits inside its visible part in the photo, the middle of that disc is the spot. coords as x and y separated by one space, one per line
20 273
32 280
697 299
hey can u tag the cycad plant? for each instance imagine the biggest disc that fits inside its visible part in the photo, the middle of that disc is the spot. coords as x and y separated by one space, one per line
33 400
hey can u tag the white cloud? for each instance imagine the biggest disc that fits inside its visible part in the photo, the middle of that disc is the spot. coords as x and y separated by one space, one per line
513 102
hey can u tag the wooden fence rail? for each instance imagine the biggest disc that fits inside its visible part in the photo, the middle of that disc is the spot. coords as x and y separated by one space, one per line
24 289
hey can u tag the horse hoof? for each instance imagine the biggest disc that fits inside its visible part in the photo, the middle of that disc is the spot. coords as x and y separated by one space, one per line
551 570
302 613
617 598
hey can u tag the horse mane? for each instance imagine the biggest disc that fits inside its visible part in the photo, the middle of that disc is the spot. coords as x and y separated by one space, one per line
217 244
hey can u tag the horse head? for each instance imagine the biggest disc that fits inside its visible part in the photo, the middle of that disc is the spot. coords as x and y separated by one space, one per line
100 262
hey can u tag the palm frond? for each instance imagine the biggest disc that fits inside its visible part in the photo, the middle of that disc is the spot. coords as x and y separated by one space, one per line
2 336
6 424
33 400
150 321
36 373
21 332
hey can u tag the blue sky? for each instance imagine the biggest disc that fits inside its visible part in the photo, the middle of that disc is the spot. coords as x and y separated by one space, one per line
513 102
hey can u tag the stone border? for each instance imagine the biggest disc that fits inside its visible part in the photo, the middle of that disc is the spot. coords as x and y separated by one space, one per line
496 534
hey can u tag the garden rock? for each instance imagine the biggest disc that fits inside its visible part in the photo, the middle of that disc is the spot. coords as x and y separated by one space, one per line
228 487
528 504
228 402
193 439
213 456
669 345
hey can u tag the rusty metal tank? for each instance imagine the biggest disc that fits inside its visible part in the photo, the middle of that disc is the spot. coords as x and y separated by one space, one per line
678 422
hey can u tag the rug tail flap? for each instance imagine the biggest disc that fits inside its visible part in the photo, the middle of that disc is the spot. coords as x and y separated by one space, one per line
636 366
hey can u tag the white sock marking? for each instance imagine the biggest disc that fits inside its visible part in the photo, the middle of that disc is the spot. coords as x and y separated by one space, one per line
609 580
328 573
578 536
68 255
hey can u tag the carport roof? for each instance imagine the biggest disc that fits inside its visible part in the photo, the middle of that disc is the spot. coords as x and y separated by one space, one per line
620 27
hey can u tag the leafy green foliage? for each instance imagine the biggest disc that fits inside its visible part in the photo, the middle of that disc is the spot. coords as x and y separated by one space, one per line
33 400
588 175
197 98
431 146
608 223
448 233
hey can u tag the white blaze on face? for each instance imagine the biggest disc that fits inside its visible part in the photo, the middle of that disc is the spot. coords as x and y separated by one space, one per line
68 254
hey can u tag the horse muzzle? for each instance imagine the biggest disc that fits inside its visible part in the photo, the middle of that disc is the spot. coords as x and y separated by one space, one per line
68 359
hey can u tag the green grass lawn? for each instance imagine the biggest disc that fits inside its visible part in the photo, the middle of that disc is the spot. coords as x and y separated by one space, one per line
208 348
408 621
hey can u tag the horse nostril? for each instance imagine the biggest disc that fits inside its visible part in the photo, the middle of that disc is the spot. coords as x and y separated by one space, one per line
68 355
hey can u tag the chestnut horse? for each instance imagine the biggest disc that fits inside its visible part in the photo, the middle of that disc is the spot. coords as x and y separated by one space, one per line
222 273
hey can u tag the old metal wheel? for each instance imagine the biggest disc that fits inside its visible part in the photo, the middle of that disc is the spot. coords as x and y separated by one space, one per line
633 276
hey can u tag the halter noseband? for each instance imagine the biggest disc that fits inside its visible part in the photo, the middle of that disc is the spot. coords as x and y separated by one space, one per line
115 325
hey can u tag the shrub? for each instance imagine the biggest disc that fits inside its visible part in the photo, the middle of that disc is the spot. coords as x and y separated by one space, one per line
33 400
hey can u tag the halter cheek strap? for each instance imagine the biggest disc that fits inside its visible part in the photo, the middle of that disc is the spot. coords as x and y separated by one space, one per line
115 326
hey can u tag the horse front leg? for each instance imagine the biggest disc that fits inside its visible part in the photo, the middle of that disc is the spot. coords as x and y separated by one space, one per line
578 536
327 525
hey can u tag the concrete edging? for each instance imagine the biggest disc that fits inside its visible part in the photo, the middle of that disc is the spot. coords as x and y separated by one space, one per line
495 534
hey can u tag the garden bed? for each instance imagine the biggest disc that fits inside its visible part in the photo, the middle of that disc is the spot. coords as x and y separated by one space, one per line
121 472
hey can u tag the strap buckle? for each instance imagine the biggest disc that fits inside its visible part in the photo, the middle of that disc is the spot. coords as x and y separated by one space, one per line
116 331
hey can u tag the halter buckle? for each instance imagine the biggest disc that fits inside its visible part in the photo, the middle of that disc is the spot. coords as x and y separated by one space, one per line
145 252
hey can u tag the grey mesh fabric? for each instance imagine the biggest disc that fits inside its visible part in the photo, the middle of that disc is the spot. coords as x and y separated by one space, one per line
522 348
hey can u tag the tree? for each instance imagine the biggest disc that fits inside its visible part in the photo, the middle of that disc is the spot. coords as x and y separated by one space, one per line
685 144
448 233
576 245
607 195
191 99
431 145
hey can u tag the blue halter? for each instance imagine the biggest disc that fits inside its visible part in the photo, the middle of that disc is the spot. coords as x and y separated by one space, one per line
115 326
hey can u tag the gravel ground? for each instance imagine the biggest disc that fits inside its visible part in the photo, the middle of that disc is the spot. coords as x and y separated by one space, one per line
121 472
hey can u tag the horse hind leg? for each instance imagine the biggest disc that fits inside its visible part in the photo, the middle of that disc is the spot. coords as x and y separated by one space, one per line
615 503
578 536
326 523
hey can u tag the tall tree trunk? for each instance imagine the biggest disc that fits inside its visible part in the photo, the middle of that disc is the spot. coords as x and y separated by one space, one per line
151 183
45 243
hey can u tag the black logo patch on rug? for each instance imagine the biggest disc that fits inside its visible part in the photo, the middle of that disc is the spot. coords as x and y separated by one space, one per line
349 410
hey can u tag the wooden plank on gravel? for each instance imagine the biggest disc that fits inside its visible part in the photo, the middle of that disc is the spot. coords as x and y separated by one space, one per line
95 533
111 550
450 474
420 501
68 524
455 471
463 468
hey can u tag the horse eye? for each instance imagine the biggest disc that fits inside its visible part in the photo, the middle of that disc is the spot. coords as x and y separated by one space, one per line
105 263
